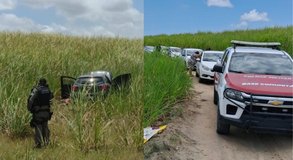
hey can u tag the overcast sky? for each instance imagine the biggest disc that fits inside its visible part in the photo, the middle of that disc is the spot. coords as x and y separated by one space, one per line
122 18
191 16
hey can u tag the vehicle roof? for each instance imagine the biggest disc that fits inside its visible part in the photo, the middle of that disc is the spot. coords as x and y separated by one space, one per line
192 49
174 47
258 50
95 74
213 52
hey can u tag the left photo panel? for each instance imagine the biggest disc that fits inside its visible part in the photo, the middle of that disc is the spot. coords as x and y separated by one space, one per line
71 83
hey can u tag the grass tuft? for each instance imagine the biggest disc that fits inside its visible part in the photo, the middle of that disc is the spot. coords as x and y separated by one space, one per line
165 81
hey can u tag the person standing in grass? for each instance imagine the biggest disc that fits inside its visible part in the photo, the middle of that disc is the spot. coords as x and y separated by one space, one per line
192 62
39 105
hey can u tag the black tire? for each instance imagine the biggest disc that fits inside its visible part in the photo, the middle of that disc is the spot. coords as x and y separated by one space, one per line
200 80
215 97
222 127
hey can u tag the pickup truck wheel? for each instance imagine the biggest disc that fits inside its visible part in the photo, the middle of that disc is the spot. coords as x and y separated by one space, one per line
222 127
215 97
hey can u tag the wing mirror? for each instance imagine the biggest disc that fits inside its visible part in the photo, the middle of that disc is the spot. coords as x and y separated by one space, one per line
217 68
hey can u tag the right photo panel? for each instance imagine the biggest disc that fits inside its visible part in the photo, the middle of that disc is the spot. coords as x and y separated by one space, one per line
218 79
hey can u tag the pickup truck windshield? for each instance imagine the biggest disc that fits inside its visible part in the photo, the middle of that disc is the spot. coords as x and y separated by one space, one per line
261 63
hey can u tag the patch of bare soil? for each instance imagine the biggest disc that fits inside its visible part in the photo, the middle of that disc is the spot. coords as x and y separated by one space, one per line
192 135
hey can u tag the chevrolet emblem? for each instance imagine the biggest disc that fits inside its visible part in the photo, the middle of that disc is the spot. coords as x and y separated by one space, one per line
275 103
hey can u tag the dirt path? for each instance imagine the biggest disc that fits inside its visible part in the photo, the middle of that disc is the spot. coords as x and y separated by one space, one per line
193 136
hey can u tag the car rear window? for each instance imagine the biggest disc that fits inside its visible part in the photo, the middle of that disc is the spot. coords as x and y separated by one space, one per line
89 80
261 63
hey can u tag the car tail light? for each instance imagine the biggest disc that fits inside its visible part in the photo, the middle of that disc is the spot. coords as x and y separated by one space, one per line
104 87
74 88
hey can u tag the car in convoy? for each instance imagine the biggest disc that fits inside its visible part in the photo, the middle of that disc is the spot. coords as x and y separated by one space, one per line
93 84
163 49
174 52
206 63
149 49
253 88
187 52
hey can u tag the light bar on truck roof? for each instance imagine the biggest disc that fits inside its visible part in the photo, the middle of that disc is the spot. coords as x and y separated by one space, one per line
273 45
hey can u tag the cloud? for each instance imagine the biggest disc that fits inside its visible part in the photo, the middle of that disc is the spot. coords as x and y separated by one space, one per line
253 16
86 9
219 3
10 22
115 17
7 4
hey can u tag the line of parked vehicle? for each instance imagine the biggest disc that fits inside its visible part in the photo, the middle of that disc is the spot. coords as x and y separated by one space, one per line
203 66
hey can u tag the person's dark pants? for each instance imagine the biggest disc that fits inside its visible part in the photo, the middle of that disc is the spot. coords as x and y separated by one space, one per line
42 133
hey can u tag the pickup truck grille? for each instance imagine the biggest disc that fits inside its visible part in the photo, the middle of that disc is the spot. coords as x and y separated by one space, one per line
269 109
269 104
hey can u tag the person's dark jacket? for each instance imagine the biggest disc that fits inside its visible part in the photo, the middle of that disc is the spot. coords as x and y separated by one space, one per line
39 103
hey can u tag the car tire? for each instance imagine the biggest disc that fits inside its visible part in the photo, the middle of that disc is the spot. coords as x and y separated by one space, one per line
222 127
200 80
215 97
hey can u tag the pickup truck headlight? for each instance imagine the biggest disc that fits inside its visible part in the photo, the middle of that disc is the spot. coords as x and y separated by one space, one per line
233 94
205 67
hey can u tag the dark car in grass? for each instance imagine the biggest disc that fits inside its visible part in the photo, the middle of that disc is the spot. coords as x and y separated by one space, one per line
93 84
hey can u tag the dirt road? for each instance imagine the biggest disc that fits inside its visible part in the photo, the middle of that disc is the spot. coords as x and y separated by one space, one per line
193 136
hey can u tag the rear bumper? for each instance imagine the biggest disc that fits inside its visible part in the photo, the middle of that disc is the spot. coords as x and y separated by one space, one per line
267 123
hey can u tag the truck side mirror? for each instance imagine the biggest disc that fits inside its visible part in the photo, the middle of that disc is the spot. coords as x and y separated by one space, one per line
217 68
